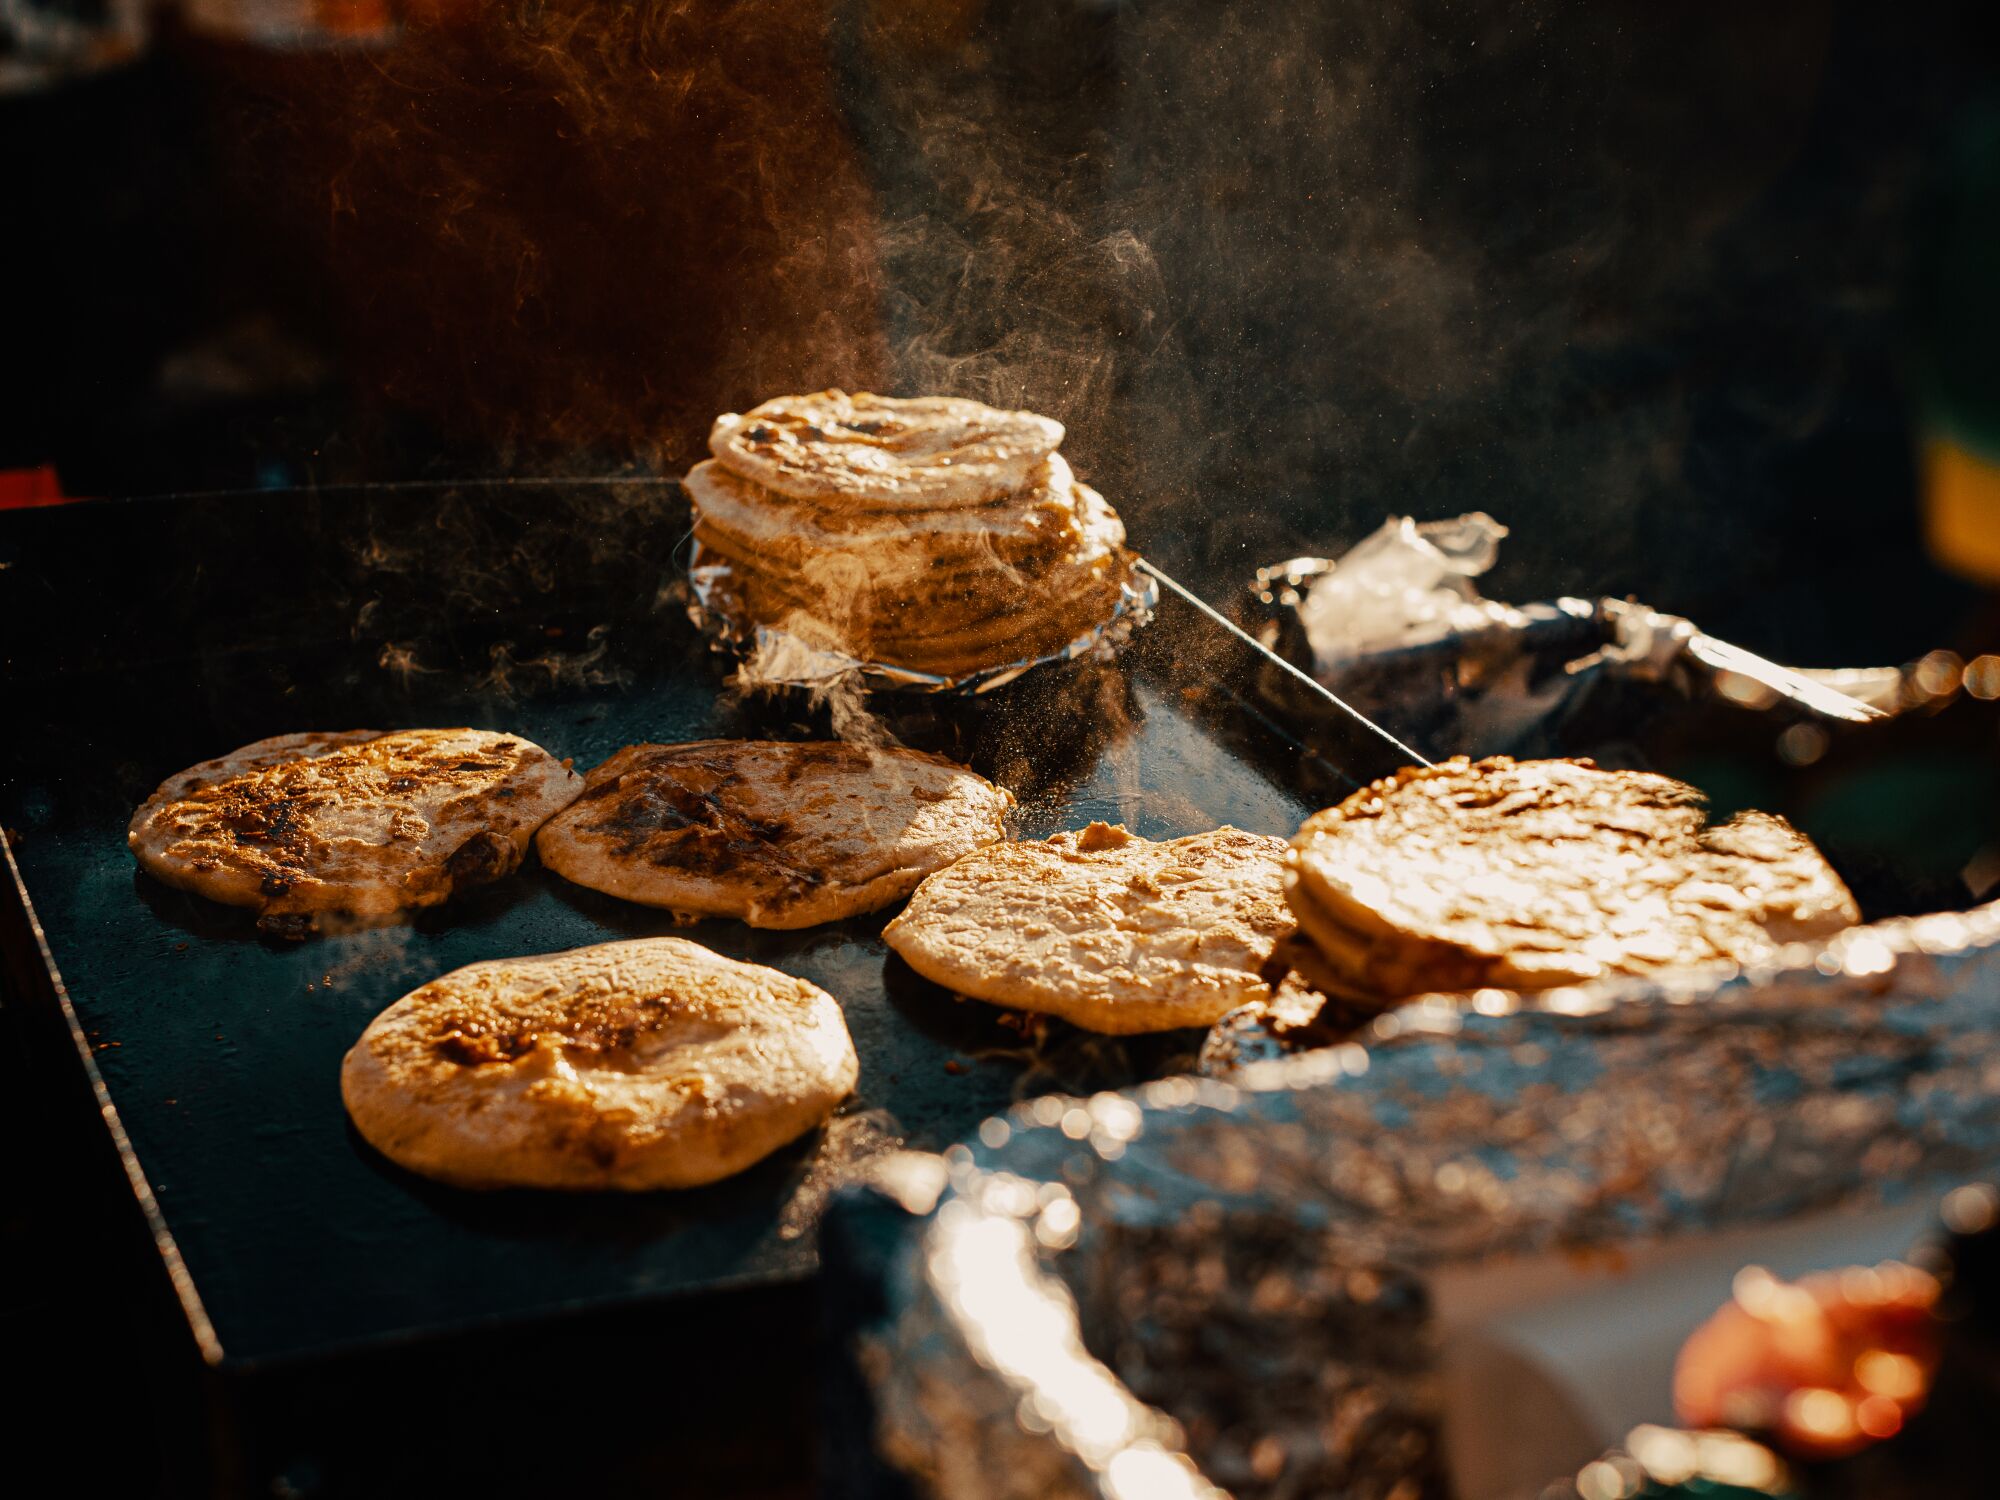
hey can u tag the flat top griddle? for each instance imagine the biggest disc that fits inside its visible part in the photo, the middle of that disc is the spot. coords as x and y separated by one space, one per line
144 636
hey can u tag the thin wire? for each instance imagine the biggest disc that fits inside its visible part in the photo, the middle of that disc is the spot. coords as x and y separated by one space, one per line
1306 680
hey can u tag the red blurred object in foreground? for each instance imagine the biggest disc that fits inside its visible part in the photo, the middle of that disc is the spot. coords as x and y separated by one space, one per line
21 488
1822 1367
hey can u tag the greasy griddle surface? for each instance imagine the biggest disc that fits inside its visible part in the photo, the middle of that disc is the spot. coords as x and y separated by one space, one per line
221 1050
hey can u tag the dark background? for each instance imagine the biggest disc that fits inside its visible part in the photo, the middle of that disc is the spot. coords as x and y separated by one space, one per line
1639 280
1646 282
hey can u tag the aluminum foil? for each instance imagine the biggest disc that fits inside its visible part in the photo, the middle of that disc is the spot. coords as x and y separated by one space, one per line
1399 630
769 657
1220 1284
1855 1074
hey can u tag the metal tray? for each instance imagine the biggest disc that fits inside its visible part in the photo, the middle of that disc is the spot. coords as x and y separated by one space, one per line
142 636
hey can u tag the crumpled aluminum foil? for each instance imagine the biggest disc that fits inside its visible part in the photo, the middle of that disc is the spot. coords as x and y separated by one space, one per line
1411 643
769 657
1854 1074
1130 1294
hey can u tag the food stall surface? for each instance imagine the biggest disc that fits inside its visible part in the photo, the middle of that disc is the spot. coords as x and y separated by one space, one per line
218 1050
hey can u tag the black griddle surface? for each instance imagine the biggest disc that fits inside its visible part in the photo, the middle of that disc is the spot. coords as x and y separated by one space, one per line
220 1050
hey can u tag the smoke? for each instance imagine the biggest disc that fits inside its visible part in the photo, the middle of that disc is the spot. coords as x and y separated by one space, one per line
567 234
1281 269
402 663
1285 269
508 674
1214 243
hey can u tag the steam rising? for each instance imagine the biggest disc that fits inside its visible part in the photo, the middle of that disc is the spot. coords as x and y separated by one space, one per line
572 232
508 673
1285 269
1281 269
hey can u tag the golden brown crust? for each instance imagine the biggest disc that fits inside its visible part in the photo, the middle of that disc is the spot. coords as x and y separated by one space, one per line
630 1066
361 823
1112 932
1031 620
1526 875
856 593
782 834
934 535
883 451
741 520
1007 618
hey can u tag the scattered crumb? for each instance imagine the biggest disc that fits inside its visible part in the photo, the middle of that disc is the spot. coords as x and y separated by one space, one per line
1103 836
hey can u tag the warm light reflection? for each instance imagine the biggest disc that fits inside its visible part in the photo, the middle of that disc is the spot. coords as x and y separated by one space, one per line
1866 954
1938 674
1802 744
1982 677
1824 1417
1144 1471
1879 1417
1667 1454
1606 1480
1896 1376
1022 1325
1820 1367
1972 1209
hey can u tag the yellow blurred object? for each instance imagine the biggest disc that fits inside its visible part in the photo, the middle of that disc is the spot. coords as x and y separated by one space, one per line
1962 509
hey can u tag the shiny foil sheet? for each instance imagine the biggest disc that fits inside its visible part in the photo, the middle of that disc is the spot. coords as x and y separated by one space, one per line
770 657
1414 645
1206 1286
1455 673
1222 1284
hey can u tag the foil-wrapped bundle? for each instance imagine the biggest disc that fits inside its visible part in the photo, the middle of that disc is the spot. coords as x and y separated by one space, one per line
1253 1282
1859 758
1131 1294
1398 629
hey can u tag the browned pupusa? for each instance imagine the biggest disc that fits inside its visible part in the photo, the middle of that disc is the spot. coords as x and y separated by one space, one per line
779 833
741 520
1109 931
360 824
936 535
885 451
1530 874
631 1066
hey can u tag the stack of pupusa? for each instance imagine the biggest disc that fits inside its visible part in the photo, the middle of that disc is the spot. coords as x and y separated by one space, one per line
1528 875
934 534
